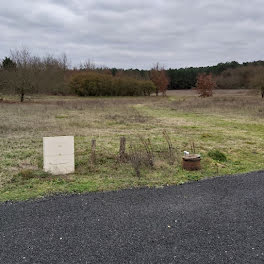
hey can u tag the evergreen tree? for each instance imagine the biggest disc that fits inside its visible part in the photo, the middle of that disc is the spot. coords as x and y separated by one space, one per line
8 64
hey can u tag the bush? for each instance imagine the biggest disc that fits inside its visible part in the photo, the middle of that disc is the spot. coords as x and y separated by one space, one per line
217 155
96 84
205 85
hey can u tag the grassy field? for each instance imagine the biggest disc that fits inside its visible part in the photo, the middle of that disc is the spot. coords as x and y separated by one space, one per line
231 122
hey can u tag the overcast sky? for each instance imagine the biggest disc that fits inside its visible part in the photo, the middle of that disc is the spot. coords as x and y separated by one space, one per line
136 33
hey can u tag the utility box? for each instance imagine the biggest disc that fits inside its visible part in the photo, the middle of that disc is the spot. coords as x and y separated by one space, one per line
58 155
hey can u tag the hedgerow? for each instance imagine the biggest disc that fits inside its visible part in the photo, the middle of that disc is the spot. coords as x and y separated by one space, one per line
97 84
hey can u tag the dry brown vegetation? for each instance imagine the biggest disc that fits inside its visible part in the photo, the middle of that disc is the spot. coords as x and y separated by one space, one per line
160 79
205 85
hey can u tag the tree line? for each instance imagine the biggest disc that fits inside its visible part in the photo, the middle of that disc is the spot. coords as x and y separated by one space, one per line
229 75
22 73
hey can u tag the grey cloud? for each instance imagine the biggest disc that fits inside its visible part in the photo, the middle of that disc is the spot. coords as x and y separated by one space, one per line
136 33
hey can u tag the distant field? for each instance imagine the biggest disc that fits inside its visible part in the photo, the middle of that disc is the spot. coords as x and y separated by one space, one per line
217 92
232 122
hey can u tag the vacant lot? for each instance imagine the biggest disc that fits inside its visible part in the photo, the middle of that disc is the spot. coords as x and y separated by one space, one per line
231 122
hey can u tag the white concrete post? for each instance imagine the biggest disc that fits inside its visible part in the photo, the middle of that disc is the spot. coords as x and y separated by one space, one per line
58 155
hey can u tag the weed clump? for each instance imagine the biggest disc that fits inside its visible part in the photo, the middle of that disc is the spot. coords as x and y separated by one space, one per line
217 155
136 159
25 175
140 155
172 154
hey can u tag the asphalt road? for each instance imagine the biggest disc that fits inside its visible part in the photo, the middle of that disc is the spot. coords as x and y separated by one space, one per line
220 220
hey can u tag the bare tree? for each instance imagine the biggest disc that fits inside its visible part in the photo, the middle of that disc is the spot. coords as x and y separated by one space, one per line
33 74
23 78
88 65
64 62
52 76
160 79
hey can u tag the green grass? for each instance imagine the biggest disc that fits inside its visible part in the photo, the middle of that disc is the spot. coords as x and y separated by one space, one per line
234 126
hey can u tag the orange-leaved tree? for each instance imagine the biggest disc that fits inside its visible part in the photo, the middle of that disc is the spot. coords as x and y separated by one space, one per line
205 85
160 79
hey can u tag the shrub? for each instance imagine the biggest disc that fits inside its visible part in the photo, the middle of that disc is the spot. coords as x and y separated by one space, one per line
217 155
147 87
205 85
160 79
97 84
